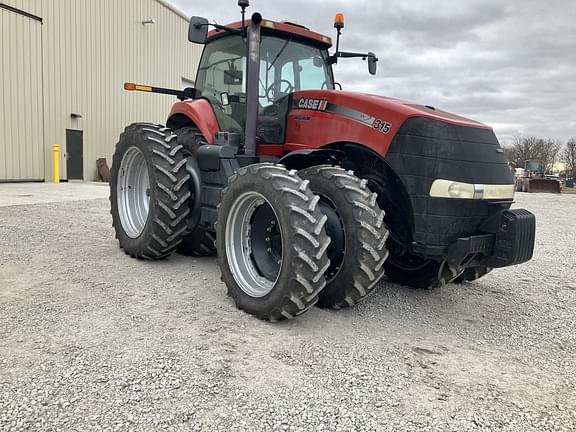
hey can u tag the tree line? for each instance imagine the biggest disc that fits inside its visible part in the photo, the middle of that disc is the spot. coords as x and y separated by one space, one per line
546 150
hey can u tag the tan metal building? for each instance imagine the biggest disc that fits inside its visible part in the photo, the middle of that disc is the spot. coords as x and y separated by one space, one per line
63 66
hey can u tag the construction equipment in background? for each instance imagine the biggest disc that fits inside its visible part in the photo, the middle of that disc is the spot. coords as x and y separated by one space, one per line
532 179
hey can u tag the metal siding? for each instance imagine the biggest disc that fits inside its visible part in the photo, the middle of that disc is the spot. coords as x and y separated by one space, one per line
89 49
21 147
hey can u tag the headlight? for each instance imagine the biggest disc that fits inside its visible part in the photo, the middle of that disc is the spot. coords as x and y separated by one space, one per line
451 189
498 191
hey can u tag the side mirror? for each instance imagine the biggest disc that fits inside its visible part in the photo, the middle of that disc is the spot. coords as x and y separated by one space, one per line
198 30
372 59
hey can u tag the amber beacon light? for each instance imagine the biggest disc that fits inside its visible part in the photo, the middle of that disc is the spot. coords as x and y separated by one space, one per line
339 21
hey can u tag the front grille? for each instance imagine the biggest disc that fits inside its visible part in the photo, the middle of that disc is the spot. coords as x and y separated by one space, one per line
424 150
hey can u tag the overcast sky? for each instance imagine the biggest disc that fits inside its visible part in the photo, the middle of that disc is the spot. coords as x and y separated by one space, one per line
508 63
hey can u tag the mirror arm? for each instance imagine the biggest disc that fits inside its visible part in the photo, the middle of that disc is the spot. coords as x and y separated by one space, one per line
371 57
333 59
221 27
344 54
228 29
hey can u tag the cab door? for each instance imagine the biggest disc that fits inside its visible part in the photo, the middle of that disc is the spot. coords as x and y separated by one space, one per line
277 84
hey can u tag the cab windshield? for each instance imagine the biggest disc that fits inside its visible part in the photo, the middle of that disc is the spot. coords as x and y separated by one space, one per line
286 66
535 166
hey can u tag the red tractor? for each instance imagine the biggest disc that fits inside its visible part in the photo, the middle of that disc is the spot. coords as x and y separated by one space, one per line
311 194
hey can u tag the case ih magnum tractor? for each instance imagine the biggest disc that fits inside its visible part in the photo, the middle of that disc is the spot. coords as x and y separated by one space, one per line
311 194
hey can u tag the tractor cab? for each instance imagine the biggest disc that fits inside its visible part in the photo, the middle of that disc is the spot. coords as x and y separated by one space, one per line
250 69
292 58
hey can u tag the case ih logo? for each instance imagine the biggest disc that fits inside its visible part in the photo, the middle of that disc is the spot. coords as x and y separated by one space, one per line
312 104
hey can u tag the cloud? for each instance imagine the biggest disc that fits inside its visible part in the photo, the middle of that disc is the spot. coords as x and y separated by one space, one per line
509 64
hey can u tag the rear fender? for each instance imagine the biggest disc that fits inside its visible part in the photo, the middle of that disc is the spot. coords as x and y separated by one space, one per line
198 113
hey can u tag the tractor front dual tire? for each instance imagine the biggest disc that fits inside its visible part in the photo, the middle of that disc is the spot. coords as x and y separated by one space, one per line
356 227
419 273
472 273
272 242
149 191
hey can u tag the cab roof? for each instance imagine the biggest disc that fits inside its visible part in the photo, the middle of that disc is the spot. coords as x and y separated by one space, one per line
276 28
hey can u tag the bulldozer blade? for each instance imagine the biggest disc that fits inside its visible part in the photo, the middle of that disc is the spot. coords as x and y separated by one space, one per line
543 186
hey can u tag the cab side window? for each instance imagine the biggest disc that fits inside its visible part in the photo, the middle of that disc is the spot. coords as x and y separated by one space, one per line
222 70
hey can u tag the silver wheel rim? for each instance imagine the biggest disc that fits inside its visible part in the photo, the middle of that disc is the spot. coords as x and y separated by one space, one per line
238 245
133 191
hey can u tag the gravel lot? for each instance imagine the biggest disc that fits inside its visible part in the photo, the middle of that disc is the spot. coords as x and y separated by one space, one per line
93 340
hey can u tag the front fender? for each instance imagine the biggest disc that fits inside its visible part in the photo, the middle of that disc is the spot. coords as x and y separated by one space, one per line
200 112
301 159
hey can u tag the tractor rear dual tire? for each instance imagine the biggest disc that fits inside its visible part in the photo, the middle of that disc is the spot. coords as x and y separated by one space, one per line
149 191
356 227
272 242
201 242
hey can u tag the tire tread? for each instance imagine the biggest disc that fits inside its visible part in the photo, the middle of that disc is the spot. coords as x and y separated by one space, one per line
168 223
308 245
367 266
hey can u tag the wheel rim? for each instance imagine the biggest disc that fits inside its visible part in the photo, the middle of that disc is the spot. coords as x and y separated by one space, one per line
133 191
253 242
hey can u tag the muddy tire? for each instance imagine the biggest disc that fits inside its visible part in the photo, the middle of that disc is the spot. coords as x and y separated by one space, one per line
416 272
356 227
472 274
200 241
149 191
272 242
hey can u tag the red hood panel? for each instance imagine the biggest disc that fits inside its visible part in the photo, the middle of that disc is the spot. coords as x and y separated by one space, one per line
427 111
322 117
374 104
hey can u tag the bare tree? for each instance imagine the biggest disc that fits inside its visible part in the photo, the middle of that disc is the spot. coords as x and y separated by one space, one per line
569 157
532 147
551 154
521 150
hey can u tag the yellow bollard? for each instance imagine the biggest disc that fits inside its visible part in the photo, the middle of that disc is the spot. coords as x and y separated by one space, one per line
55 163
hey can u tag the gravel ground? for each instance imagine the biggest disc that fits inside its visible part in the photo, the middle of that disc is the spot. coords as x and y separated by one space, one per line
93 340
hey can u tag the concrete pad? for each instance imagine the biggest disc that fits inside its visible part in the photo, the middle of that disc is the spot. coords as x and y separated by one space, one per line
12 194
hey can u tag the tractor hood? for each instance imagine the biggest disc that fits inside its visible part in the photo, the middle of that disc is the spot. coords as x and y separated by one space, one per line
417 110
360 118
376 106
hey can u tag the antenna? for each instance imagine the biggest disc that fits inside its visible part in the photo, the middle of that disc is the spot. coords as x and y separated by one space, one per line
243 4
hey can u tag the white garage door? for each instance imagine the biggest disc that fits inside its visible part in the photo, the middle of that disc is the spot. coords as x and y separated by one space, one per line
21 114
